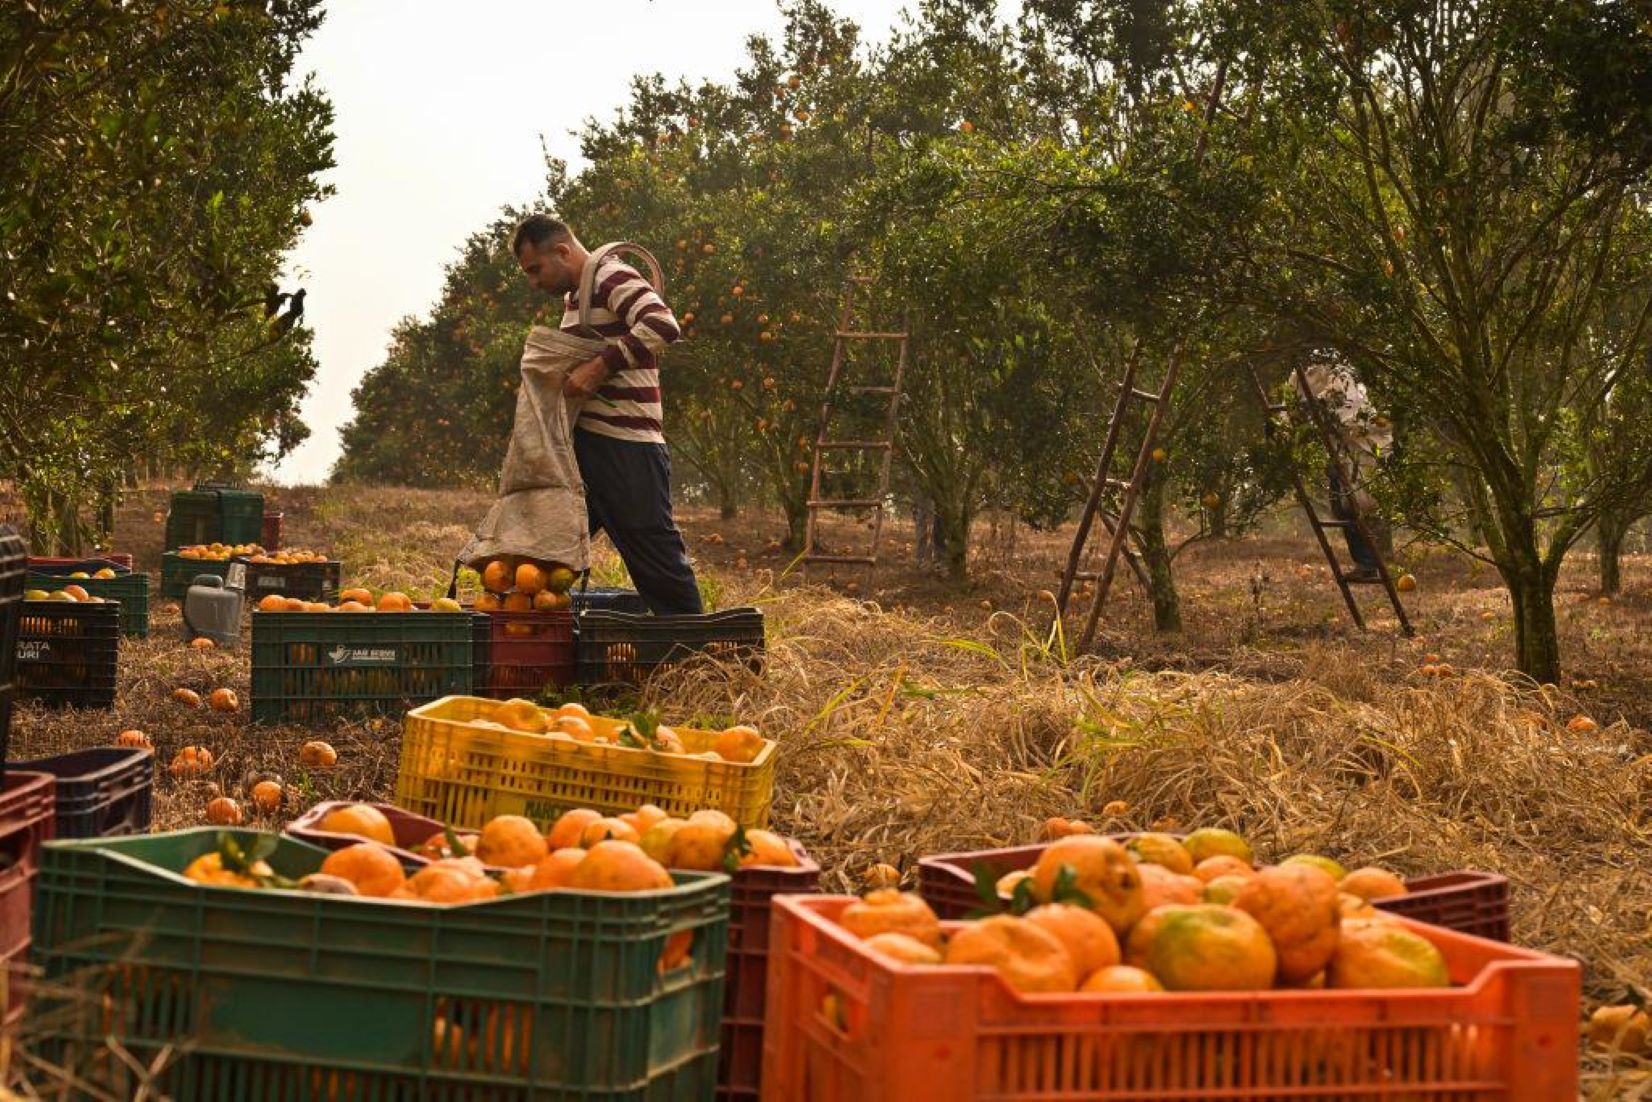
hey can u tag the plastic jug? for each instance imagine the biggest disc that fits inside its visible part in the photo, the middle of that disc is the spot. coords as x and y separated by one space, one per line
212 606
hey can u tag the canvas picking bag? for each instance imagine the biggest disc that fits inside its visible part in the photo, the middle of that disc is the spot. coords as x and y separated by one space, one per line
540 513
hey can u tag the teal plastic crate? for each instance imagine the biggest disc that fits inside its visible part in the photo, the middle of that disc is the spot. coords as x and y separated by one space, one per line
178 573
131 590
214 516
310 667
270 996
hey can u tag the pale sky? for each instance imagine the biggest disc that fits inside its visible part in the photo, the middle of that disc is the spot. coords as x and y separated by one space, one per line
441 106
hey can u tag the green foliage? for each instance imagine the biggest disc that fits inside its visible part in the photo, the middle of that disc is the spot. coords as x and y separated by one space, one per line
159 159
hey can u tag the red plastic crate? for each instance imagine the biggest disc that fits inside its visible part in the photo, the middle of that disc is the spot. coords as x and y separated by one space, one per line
90 563
1466 901
271 536
1508 1032
528 651
27 815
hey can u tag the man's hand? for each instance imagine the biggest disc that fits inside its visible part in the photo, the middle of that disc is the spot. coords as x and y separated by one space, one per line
584 380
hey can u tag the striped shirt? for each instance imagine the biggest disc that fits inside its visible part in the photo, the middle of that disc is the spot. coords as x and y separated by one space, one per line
637 324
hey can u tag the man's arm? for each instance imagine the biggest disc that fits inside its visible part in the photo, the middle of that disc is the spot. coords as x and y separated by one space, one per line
648 320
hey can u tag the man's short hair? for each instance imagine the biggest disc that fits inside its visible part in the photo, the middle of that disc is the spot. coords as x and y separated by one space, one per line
538 230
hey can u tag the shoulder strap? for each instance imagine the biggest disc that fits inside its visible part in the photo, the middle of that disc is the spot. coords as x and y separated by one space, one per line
588 278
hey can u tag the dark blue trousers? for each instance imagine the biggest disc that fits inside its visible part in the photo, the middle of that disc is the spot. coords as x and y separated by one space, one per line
628 496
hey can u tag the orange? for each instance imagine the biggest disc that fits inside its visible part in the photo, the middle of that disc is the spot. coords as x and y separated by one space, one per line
134 738
559 579
554 869
395 602
520 715
518 602
888 909
1381 954
353 606
1373 883
1297 906
1211 841
293 604
883 875
358 595
1089 941
497 576
1058 827
701 844
1101 872
191 761
1620 1029
1223 889
1160 886
77 592
1162 850
209 869
1205 947
363 820
441 884
224 700
656 840
530 579
574 727
902 947
317 754
574 708
548 601
273 603
489 602
601 829
187 696
1352 906
223 811
566 831
1026 955
1007 883
266 796
1331 867
1222 865
739 744
1121 979
201 642
646 816
370 868
511 841
615 866
768 849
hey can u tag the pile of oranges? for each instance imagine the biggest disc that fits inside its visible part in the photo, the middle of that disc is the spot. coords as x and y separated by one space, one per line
522 585
69 592
357 600
1158 913
574 722
287 556
218 552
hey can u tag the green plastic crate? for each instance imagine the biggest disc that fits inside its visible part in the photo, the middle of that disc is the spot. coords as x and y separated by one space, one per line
178 573
270 996
214 516
131 590
316 666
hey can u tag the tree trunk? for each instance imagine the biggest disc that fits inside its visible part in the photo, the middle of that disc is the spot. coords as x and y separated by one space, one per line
797 519
1218 520
952 539
1167 605
1536 638
728 504
1610 532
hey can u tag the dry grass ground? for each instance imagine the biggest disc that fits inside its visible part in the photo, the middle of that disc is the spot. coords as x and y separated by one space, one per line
913 720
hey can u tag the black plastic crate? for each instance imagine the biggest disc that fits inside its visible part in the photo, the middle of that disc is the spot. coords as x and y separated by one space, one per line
67 653
624 648
14 554
608 600
214 516
317 666
307 581
102 792
131 590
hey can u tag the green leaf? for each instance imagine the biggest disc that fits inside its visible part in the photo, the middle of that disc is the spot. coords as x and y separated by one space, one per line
738 846
454 845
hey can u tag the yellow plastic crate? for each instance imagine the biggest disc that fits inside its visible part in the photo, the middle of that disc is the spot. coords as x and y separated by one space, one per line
463 775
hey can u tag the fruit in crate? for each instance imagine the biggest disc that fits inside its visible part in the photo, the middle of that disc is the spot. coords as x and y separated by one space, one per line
362 820
287 557
218 552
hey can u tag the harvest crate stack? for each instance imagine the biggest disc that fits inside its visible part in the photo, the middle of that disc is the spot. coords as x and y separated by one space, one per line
308 667
626 648
544 994
131 589
100 792
68 652
209 514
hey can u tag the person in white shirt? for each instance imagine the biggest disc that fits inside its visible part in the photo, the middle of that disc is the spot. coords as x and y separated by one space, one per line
1364 438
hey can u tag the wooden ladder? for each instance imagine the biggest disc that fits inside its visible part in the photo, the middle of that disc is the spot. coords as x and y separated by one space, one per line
1129 491
824 444
1321 419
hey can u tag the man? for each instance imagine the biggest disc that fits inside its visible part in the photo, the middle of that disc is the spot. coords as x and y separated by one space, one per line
1364 438
617 439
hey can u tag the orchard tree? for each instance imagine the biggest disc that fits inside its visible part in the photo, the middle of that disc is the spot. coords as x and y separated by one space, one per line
1448 196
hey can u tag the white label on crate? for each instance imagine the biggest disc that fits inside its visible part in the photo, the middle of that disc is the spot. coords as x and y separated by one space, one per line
271 581
342 655
33 650
236 576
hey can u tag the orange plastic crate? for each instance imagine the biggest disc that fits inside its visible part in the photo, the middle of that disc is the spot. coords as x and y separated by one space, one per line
1509 1033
